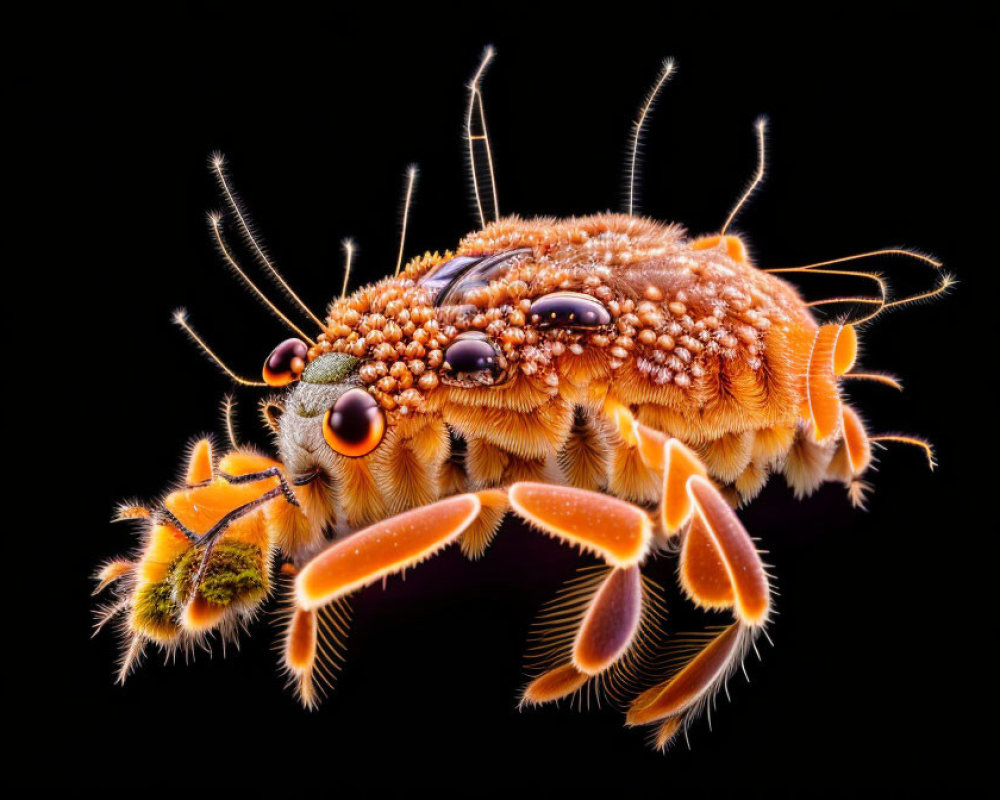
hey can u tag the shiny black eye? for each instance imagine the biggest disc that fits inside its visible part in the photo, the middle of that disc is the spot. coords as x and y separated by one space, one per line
472 359
286 362
355 424
443 275
452 278
568 310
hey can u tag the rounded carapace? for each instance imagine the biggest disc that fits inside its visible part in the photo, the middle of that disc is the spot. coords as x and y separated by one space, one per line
576 305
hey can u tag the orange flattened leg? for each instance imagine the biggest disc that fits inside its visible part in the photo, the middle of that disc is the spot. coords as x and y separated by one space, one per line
737 552
199 468
553 685
242 462
695 681
702 572
822 395
300 653
617 531
314 643
680 463
110 572
610 623
652 446
859 449
383 549
845 351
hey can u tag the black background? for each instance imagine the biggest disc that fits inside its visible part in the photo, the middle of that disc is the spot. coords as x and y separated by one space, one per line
876 139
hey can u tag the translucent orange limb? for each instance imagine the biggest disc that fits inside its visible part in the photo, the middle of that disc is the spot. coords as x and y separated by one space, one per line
736 551
300 653
111 572
612 529
383 549
845 350
858 447
680 464
695 681
199 469
554 685
703 575
610 623
822 396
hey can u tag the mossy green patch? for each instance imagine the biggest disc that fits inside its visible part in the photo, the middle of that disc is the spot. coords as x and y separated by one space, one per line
330 368
155 606
235 571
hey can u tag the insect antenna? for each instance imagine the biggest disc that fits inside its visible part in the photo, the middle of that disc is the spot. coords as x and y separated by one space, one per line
228 420
477 135
761 126
666 70
947 281
180 319
916 441
877 377
411 179
890 251
232 200
216 223
348 245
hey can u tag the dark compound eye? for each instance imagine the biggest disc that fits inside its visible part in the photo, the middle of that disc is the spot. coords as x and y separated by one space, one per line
286 362
568 310
472 359
355 424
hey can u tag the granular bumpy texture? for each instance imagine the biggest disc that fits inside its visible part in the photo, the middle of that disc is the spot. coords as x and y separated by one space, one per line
691 317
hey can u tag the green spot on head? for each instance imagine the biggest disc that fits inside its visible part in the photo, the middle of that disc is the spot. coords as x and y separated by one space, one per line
329 368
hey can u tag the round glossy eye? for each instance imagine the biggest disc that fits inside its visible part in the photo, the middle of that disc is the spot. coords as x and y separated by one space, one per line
472 359
286 362
568 310
355 424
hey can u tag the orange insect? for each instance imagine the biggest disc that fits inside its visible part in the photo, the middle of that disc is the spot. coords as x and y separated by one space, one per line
618 385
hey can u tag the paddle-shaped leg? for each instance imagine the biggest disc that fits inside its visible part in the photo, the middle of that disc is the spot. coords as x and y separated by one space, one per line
360 559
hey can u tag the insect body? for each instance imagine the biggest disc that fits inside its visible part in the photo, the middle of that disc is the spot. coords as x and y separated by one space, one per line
616 383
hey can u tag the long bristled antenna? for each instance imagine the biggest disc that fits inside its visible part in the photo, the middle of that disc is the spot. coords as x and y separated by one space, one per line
229 421
411 180
215 221
232 200
890 251
946 282
180 319
348 245
476 131
666 70
916 441
761 126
